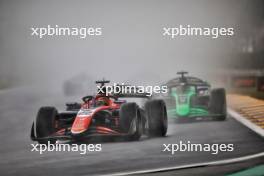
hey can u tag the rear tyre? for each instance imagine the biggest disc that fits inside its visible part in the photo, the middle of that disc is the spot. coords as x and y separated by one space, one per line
218 103
157 118
130 121
45 124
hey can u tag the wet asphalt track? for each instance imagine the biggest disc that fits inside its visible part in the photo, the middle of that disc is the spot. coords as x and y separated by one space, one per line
19 107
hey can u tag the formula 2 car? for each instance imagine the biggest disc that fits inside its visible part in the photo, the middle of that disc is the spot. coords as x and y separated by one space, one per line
192 98
101 115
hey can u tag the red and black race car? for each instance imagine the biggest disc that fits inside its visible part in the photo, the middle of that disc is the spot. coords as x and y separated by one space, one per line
101 115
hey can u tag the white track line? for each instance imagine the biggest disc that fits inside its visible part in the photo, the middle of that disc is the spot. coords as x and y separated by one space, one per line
232 113
246 122
212 163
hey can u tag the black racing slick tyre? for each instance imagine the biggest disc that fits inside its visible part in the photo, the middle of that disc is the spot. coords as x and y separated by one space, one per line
45 124
218 103
130 121
156 118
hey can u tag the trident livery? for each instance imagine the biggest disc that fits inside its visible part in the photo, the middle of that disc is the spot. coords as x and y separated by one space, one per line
101 115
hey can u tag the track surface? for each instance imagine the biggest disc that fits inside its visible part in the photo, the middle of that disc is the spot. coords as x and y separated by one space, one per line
19 107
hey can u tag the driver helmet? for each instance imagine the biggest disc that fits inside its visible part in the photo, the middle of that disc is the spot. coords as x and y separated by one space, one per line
102 101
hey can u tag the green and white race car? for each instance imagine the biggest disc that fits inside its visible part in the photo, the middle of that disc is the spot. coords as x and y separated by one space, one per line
192 98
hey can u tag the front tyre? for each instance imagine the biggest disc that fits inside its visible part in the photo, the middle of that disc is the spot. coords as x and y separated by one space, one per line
45 124
218 103
130 121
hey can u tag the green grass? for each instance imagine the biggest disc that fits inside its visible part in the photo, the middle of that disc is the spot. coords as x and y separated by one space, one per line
255 171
